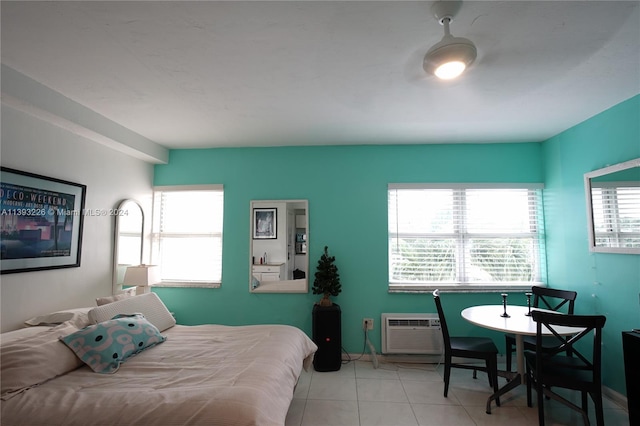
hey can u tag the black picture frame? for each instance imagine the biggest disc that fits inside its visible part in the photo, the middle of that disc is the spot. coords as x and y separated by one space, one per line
265 223
41 220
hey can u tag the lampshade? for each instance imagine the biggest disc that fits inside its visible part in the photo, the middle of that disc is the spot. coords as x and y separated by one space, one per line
142 276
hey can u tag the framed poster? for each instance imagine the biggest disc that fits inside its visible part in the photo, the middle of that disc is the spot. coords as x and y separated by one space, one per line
265 223
40 222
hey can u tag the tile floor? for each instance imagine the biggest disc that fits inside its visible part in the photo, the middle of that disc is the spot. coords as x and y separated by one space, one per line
411 394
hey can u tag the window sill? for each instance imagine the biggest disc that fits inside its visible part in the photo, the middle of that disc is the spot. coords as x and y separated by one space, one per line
178 284
461 288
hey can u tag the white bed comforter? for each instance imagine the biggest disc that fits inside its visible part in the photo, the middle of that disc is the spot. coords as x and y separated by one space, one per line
201 375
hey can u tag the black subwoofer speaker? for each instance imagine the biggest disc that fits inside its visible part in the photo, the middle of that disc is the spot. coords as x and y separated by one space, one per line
327 335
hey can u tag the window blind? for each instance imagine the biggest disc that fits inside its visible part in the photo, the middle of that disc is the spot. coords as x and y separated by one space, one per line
464 236
187 234
616 215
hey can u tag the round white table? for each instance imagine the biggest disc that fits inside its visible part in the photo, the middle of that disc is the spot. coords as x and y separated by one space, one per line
519 324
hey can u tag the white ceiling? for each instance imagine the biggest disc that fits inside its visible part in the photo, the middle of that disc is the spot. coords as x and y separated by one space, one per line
234 73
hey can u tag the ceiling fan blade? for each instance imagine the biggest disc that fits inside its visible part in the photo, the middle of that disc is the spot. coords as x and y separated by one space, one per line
413 71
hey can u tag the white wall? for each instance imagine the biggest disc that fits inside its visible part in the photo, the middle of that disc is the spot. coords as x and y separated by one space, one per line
35 146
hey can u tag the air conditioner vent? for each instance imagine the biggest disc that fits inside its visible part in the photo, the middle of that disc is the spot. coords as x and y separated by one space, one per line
411 334
409 322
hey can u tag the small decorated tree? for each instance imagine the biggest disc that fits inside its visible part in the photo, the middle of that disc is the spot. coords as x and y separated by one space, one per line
327 281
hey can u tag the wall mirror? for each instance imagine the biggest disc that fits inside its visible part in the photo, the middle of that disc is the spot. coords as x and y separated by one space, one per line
613 208
128 240
278 262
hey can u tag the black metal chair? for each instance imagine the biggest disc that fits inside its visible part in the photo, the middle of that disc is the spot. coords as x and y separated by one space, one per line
544 298
550 368
481 348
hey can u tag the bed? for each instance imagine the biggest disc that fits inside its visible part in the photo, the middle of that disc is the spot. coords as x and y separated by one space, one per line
199 375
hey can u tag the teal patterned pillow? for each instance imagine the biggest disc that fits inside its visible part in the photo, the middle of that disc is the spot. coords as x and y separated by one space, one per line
106 345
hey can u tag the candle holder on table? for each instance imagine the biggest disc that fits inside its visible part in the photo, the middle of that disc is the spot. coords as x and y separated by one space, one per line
528 304
504 305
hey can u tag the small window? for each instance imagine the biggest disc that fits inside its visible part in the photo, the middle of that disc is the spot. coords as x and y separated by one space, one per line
187 235
466 237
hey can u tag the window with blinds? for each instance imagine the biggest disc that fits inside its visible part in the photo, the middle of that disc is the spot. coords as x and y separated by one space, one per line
466 236
187 234
616 214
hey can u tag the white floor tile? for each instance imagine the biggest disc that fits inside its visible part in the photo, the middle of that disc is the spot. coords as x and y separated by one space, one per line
331 413
471 397
428 393
507 416
296 410
442 415
365 370
386 414
381 390
336 387
413 372
302 387
412 394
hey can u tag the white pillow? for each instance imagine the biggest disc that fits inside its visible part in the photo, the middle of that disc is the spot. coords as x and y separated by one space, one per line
35 359
130 292
148 304
77 316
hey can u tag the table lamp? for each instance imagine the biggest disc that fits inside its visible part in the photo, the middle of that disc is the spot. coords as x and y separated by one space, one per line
142 276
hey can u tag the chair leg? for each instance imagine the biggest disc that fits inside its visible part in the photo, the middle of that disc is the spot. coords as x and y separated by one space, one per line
508 349
528 373
494 373
447 376
487 364
540 391
475 373
597 400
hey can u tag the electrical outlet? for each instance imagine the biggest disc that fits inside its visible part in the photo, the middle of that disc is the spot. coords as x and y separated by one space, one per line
367 323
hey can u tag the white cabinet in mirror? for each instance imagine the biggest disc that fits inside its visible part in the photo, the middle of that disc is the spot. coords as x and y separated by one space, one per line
278 262
613 208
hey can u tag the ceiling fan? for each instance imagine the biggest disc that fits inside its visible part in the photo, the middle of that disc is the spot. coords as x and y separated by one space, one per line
451 56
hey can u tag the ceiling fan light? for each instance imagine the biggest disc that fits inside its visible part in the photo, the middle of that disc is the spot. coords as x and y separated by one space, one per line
450 49
450 70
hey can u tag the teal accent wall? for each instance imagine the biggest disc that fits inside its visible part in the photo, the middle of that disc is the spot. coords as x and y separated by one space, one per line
347 191
607 284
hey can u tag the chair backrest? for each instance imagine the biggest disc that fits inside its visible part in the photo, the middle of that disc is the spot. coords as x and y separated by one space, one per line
443 322
553 299
580 359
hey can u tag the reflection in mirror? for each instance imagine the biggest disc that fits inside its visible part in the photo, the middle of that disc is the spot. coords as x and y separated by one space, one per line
613 207
278 262
128 244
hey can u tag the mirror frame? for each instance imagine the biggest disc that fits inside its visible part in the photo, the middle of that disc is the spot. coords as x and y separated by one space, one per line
282 286
117 287
590 223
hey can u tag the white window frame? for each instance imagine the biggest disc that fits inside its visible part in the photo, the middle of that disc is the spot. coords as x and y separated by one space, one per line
155 235
459 285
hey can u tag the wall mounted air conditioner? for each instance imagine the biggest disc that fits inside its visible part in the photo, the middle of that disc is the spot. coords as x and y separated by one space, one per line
411 334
